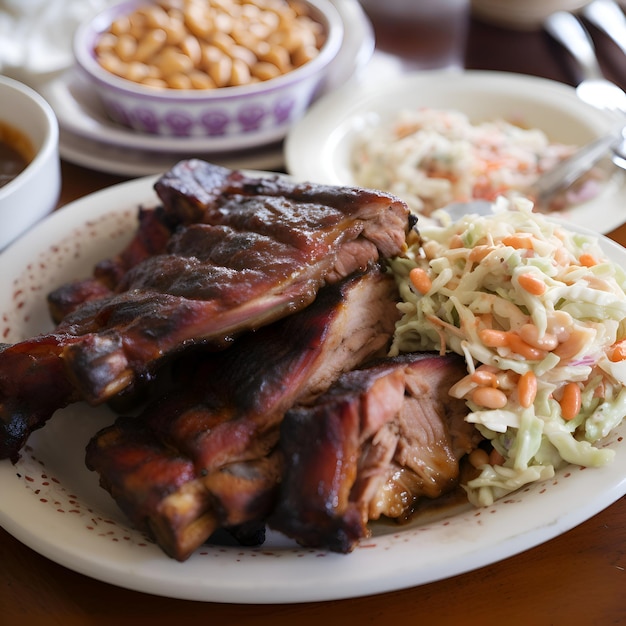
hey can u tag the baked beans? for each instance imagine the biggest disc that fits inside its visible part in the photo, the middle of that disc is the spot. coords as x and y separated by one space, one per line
208 44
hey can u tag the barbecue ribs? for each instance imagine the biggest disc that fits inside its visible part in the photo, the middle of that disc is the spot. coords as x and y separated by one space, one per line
377 441
203 457
243 252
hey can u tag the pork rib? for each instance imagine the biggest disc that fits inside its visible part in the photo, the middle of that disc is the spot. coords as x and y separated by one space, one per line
163 495
219 430
244 252
153 232
380 439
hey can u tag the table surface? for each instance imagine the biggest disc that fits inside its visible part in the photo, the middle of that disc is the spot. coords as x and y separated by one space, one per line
577 578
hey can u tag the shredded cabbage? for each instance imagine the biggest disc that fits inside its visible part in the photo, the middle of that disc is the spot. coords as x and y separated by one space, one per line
565 328
431 157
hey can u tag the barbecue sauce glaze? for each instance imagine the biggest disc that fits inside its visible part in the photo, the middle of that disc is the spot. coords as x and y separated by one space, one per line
16 152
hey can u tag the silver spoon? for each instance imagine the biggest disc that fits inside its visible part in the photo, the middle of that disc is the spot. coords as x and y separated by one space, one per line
594 89
549 183
608 16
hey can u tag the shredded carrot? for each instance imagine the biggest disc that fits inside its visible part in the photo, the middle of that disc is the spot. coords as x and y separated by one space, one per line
455 242
521 241
519 346
478 253
587 260
435 321
617 352
438 324
532 284
493 338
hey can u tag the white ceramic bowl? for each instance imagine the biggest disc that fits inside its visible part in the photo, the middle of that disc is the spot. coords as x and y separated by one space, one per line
248 115
522 14
319 148
33 193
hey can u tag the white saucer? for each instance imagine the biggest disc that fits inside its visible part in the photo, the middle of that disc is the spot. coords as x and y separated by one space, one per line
89 138
133 162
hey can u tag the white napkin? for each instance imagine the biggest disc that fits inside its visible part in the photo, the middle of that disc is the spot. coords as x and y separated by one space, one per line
36 35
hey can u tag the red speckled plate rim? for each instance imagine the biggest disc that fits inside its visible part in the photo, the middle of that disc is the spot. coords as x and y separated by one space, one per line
53 504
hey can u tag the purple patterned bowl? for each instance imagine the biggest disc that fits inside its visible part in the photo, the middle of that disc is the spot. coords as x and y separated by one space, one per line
234 118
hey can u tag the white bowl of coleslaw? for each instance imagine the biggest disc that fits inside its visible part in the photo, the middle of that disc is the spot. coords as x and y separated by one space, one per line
348 137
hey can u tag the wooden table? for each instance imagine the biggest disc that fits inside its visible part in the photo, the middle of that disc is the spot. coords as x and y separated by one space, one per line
578 578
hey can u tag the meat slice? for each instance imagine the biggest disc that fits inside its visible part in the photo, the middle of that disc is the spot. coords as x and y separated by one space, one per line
154 231
196 191
242 393
244 252
380 439
224 418
163 495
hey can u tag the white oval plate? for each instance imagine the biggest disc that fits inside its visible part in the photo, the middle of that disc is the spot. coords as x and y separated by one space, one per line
318 147
53 504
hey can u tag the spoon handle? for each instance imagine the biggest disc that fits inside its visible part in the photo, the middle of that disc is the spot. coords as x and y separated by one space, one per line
573 36
571 169
608 17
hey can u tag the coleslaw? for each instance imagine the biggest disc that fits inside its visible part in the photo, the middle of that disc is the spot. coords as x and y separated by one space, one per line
539 314
431 157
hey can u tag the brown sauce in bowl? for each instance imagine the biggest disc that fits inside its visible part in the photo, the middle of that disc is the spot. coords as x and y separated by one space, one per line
16 152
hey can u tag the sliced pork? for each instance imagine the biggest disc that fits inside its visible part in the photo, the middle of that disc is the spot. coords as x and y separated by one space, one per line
244 252
204 456
378 441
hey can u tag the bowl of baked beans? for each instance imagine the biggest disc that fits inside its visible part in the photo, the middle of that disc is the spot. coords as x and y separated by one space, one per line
238 72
